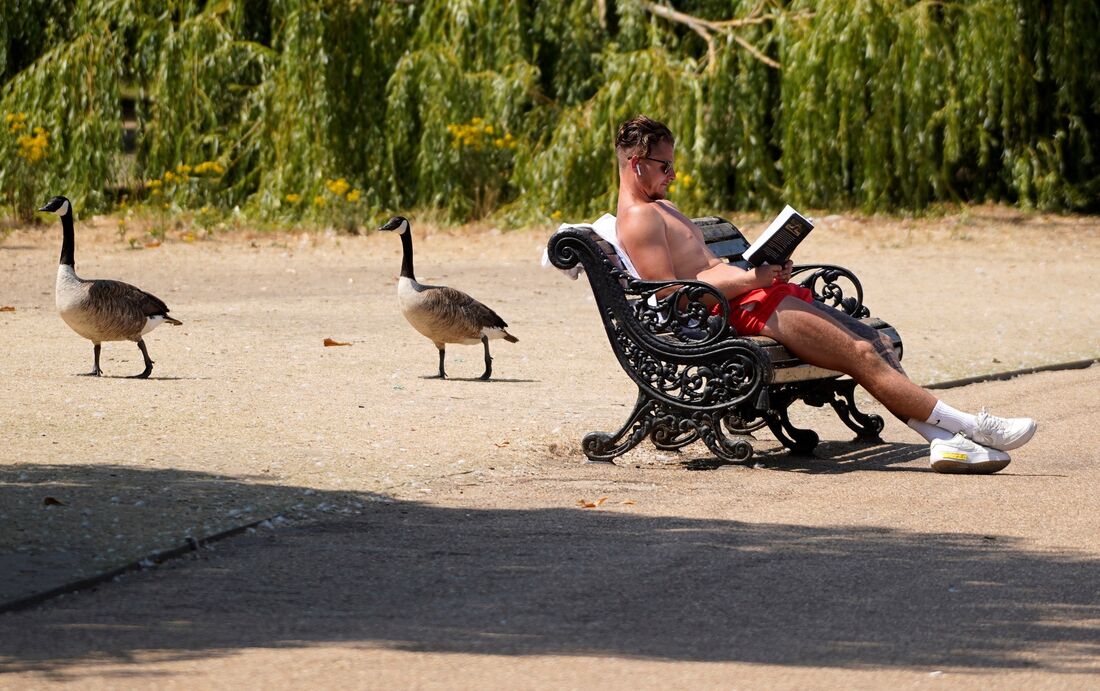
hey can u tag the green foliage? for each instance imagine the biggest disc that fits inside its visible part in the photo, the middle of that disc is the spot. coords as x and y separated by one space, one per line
339 111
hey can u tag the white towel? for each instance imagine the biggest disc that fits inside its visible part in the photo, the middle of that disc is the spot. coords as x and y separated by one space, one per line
605 228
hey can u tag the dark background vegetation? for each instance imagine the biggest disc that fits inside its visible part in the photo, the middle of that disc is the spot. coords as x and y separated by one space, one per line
342 111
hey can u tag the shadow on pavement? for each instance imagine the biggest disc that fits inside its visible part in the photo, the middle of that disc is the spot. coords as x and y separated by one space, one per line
564 581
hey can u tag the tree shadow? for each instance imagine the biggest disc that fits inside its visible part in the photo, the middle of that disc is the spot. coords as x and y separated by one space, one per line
563 581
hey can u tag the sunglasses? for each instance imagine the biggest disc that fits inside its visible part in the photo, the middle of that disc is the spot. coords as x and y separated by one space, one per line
666 166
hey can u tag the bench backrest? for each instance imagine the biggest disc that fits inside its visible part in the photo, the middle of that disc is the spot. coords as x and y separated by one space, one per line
724 239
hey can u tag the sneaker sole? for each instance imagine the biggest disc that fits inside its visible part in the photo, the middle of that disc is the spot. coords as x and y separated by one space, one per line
963 468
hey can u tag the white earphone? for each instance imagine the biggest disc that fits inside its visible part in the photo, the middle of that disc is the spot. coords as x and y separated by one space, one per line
637 169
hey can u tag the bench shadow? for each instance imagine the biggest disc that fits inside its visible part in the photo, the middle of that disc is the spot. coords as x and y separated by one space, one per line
830 457
563 581
499 380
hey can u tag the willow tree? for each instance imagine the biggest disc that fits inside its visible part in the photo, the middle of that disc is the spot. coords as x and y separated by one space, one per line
343 110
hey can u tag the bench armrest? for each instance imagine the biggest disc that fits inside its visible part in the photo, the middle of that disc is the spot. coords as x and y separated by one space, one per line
834 286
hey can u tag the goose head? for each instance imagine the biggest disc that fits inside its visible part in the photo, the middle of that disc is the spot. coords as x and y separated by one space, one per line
58 205
397 223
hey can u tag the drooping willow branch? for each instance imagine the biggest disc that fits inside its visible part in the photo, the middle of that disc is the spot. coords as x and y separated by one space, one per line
707 28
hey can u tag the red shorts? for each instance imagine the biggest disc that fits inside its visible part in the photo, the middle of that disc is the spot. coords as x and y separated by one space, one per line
761 303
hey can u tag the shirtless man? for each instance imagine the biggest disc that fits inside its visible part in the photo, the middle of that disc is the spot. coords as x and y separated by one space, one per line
663 244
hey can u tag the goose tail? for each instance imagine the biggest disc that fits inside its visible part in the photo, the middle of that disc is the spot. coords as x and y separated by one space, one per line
510 338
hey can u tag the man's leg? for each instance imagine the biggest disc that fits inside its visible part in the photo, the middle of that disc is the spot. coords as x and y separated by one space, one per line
880 341
885 349
821 340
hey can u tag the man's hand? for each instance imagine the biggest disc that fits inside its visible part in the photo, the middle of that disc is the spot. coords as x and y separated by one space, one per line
773 274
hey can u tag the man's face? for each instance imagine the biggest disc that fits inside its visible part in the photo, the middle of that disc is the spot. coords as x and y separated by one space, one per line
658 170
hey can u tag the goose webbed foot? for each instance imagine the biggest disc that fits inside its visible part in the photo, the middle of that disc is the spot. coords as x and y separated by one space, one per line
94 373
148 362
488 360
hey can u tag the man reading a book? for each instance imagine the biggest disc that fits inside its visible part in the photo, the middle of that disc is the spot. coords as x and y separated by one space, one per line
663 244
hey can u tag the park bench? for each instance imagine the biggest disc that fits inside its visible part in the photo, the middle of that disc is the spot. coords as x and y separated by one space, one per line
696 378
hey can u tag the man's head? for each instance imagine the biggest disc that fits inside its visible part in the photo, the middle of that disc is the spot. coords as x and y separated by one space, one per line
646 150
639 135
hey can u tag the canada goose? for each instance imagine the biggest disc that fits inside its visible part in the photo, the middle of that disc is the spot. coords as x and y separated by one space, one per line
102 310
444 315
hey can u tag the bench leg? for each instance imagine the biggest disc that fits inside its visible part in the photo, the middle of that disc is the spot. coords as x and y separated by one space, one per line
798 441
867 426
601 447
672 438
668 430
719 443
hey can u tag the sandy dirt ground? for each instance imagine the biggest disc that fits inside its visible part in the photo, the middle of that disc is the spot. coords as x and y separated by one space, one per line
427 533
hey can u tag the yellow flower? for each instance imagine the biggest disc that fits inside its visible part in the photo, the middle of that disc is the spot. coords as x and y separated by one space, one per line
318 200
338 187
354 195
208 166
293 198
183 169
34 149
556 216
169 176
686 180
154 184
498 143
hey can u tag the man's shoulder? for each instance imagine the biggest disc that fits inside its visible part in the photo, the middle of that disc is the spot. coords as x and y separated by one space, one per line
641 219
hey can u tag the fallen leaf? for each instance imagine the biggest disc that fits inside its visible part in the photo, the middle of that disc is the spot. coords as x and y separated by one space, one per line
152 243
502 444
329 342
7 308
585 504
50 501
627 501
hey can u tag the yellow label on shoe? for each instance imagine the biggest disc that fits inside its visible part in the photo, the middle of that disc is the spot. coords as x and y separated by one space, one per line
954 456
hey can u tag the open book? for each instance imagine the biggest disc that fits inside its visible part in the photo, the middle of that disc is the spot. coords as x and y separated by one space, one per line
777 243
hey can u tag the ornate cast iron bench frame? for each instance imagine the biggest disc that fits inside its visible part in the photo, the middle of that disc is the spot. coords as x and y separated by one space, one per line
696 378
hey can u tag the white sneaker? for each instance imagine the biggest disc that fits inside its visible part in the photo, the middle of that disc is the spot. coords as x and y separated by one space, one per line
960 455
1002 433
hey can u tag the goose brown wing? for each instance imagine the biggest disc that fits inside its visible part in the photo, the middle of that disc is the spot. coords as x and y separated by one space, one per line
463 308
123 297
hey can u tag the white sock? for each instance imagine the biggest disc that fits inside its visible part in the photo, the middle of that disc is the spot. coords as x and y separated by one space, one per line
952 420
929 432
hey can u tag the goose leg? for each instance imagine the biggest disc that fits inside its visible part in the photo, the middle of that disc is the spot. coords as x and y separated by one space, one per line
95 368
442 354
488 360
148 361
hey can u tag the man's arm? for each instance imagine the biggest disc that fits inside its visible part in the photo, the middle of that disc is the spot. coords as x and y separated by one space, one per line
733 280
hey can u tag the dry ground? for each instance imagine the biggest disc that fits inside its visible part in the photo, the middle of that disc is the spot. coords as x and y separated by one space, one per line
431 535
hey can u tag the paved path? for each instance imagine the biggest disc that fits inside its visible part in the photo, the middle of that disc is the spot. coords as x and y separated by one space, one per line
856 569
